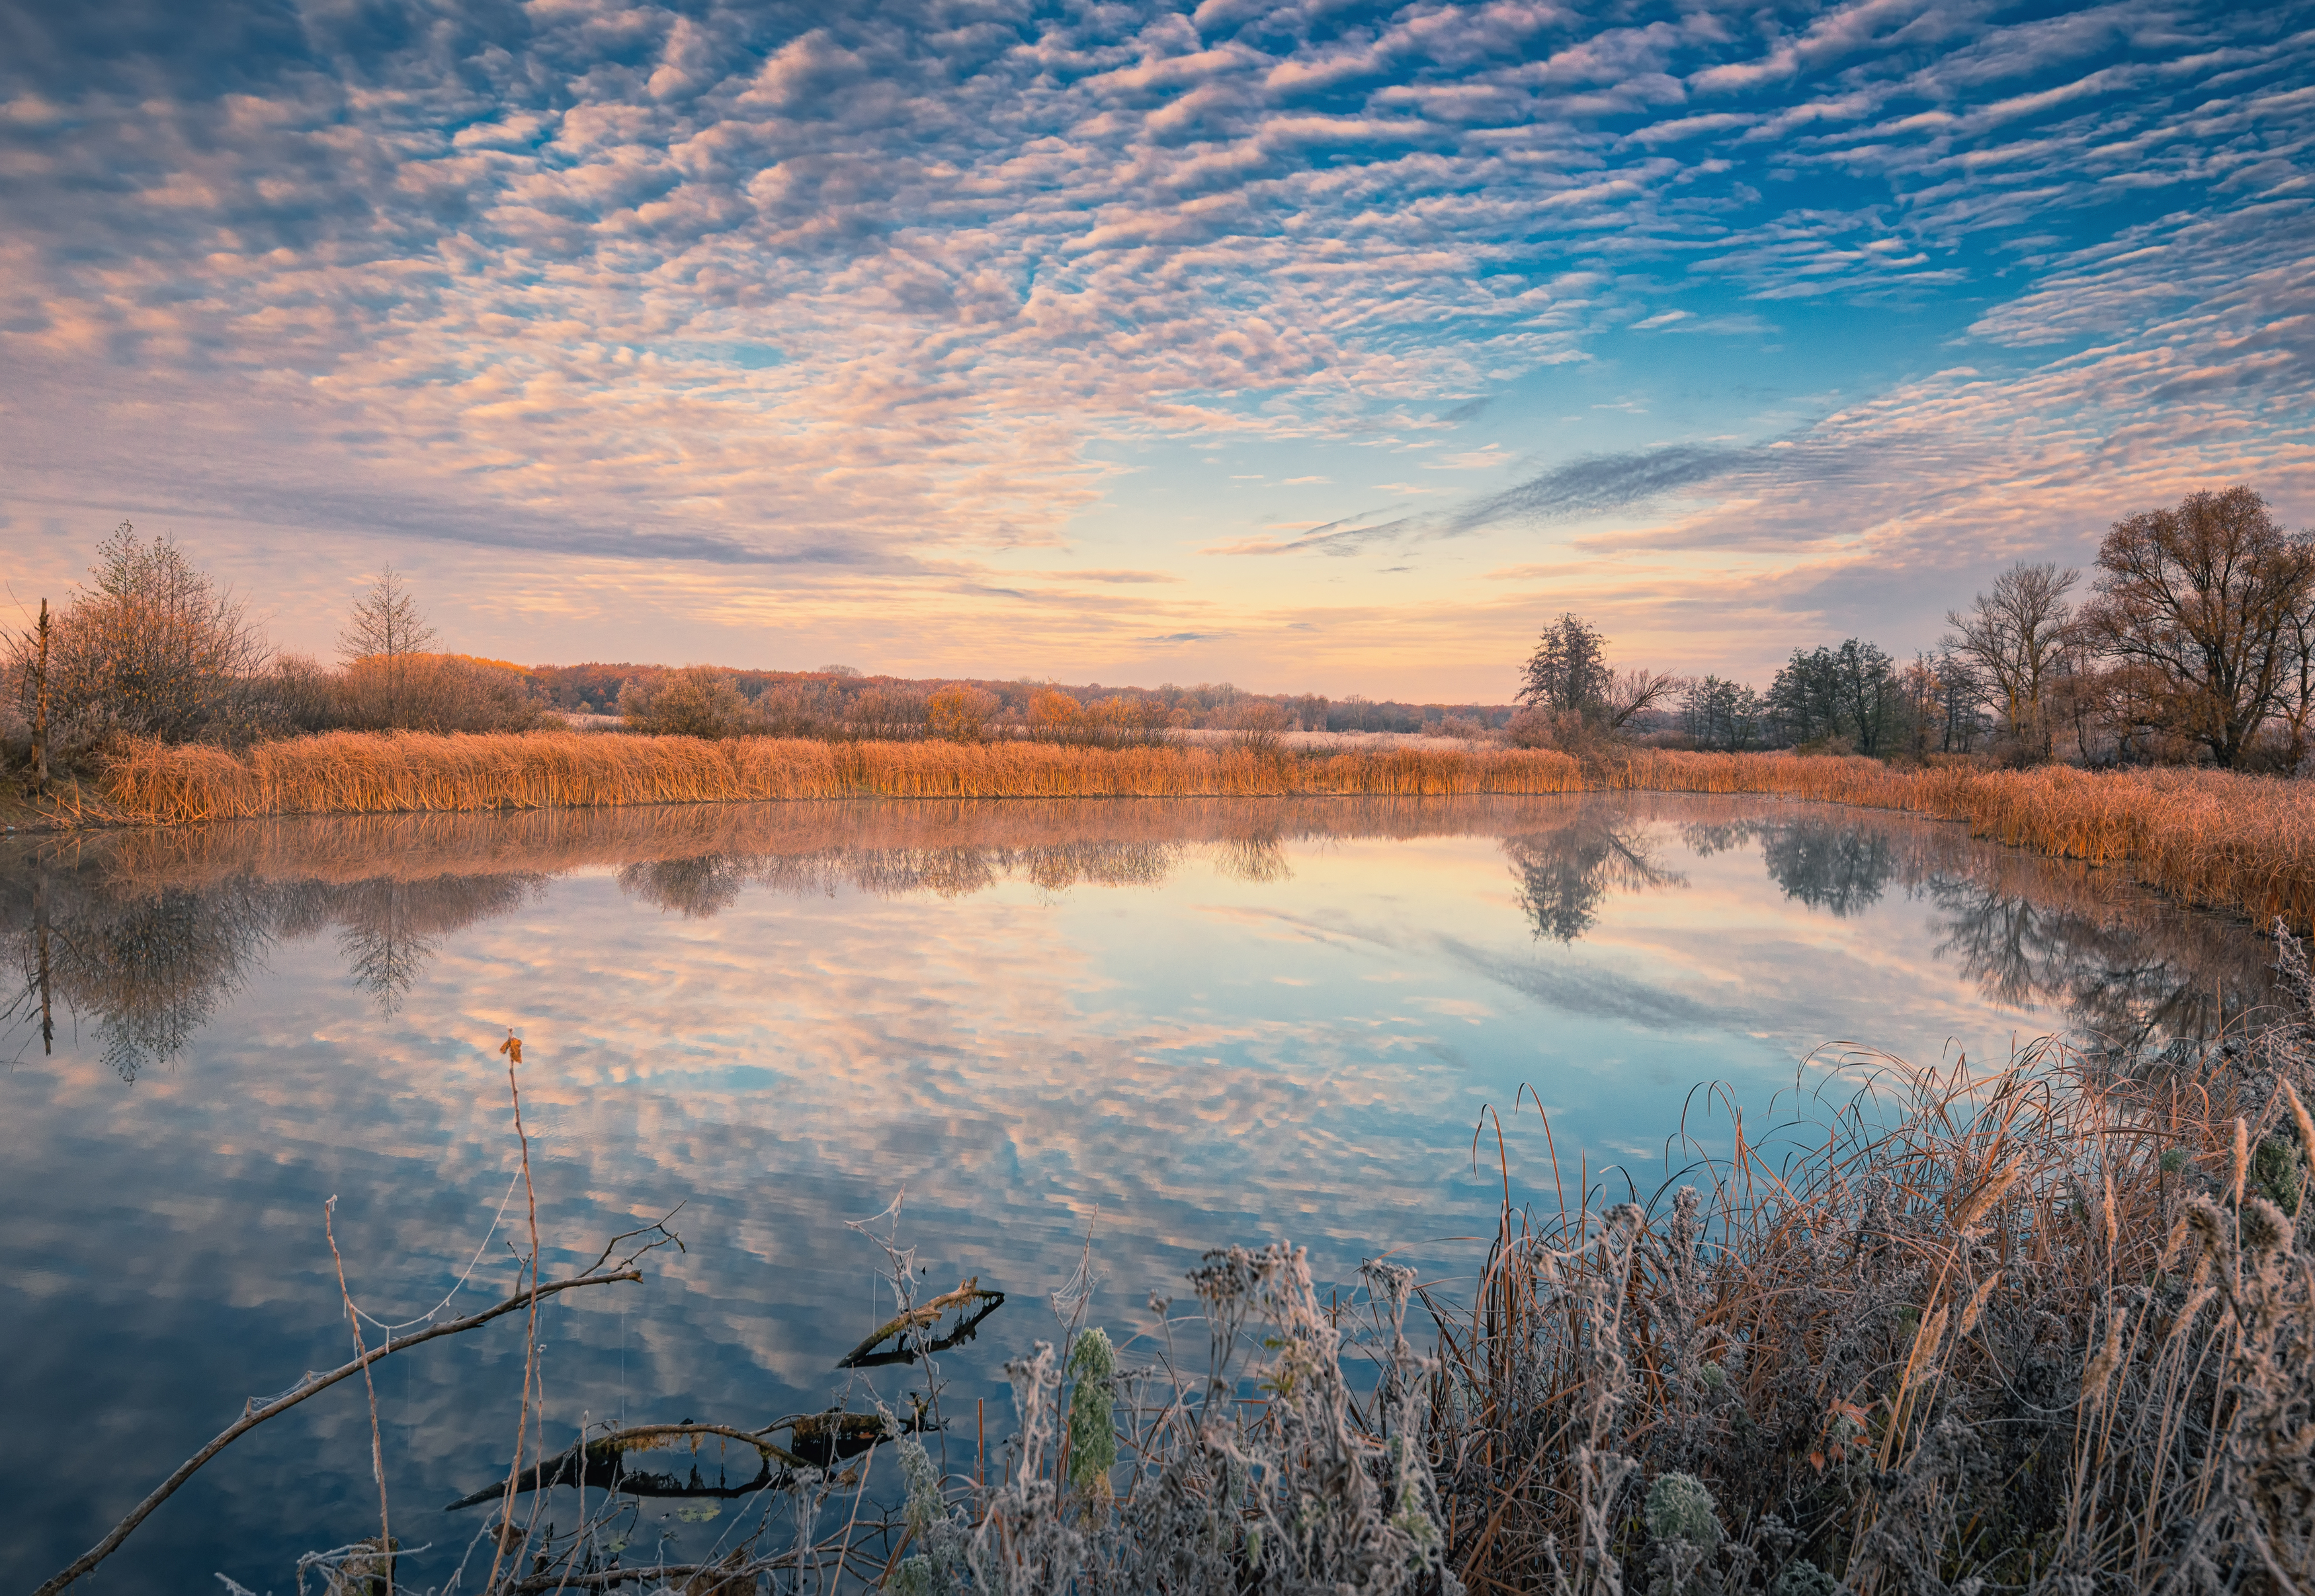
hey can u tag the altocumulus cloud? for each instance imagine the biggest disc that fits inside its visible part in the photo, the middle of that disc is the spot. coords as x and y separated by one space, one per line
859 290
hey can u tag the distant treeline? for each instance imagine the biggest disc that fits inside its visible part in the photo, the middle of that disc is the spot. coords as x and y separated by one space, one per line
150 650
801 702
2196 644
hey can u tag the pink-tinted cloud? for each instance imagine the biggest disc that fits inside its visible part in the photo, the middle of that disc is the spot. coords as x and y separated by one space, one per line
847 306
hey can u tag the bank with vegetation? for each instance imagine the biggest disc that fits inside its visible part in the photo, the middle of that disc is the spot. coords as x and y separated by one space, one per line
2240 843
149 697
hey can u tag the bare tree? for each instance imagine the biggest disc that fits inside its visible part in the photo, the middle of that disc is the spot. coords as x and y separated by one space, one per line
384 629
386 621
2196 606
1921 698
151 646
1629 692
2298 696
1961 697
2016 636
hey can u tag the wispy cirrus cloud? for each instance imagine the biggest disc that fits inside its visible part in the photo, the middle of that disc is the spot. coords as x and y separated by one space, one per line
1598 484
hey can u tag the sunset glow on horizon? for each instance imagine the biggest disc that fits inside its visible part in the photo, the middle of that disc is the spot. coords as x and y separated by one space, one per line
1317 347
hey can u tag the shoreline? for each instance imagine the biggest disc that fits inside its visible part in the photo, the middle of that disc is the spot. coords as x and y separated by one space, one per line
2210 838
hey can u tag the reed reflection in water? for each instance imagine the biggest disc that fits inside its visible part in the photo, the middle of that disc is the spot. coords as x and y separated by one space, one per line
145 936
1173 1025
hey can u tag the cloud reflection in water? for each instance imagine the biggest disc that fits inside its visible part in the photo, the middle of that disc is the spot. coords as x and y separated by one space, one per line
1173 1025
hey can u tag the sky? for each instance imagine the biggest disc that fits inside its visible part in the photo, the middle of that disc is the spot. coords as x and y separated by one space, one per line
1315 347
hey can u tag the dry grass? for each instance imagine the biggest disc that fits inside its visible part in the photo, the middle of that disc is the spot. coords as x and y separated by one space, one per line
2246 844
2050 1331
352 773
2045 1331
2242 843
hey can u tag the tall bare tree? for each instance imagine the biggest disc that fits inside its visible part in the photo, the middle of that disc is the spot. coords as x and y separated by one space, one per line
2196 606
2016 636
386 626
385 620
2296 702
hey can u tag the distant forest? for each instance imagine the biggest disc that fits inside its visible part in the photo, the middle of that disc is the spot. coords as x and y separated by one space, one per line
2195 645
831 693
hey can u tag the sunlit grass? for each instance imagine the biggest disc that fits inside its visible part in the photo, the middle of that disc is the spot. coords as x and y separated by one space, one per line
352 773
2241 843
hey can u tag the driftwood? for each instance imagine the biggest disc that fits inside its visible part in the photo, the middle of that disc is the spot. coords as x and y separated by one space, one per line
815 1441
865 1356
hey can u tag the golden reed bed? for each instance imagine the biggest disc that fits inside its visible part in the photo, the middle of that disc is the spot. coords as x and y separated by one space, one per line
2241 843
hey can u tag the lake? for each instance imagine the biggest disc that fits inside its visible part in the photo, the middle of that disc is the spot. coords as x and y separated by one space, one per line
1161 1025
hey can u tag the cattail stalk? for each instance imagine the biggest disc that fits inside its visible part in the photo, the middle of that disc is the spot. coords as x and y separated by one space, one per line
40 705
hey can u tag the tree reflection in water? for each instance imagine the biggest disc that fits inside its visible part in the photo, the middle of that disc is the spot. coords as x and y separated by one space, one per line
1566 874
151 963
697 889
2126 967
150 966
391 930
147 935
2127 984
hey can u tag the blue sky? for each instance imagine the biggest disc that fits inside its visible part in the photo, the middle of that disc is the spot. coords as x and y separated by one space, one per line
1315 347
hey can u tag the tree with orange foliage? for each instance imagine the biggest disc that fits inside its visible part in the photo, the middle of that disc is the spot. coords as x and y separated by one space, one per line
959 712
1055 713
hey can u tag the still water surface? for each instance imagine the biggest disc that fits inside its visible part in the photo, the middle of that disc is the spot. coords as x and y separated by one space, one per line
1167 1025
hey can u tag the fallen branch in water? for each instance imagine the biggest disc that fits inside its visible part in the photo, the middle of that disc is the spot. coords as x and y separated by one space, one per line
599 1463
816 1442
865 1356
254 1413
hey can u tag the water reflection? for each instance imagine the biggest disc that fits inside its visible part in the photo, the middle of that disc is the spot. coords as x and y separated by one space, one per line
1566 872
150 964
2123 967
389 931
1171 1025
145 935
152 967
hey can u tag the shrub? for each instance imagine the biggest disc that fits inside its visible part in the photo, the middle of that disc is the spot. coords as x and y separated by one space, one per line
1540 728
1120 720
696 701
794 709
961 712
150 647
889 713
433 693
301 695
1054 714
1256 724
